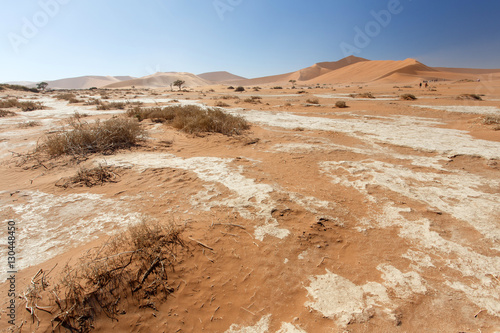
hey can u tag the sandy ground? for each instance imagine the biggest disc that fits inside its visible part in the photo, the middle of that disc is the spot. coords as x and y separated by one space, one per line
380 217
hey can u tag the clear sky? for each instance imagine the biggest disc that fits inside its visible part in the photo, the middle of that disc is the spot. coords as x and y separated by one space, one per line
52 39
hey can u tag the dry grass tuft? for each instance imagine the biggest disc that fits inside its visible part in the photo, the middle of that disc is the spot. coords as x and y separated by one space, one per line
253 100
221 104
470 96
193 119
407 97
312 101
90 177
111 106
340 104
24 106
6 113
363 95
31 123
131 266
82 138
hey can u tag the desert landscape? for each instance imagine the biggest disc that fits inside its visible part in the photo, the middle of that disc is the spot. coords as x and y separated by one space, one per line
343 197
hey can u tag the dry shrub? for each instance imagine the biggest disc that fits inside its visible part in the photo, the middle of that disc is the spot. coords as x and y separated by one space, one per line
491 120
194 119
6 113
31 123
407 97
31 106
363 95
9 103
82 138
253 100
65 96
93 101
90 177
229 97
239 89
17 87
111 106
312 101
221 104
340 104
131 265
470 96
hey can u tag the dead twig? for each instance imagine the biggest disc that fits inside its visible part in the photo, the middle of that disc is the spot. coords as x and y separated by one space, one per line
212 318
201 244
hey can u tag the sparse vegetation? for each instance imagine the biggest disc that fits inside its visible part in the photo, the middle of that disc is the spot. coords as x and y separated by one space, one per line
312 101
221 104
31 123
82 138
24 106
253 100
71 98
193 119
340 104
277 87
363 95
6 113
239 89
491 120
229 97
17 87
111 106
230 87
470 96
132 266
407 97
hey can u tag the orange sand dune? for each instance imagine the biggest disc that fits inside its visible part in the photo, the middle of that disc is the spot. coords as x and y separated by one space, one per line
304 74
468 70
162 80
220 76
368 71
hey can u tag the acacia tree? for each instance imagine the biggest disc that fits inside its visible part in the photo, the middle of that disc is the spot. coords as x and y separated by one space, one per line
42 85
179 83
293 83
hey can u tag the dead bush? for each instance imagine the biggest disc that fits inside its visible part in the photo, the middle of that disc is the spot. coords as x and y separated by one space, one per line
90 177
221 104
131 266
253 100
312 101
470 97
363 95
193 119
81 138
111 106
407 97
9 103
31 123
491 120
340 104
6 113
31 106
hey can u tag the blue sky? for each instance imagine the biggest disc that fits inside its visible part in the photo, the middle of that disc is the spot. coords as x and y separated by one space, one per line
250 38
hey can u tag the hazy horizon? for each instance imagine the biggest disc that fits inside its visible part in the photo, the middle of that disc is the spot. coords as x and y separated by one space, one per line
55 39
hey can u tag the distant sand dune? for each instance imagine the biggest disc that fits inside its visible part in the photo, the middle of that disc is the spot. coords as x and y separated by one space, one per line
162 80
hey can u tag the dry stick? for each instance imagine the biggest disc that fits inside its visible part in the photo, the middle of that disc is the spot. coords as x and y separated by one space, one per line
201 244
230 224
477 314
248 311
225 233
322 261
212 318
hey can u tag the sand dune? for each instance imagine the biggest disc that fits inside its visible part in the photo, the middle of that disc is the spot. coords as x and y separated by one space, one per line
162 80
85 82
220 76
304 74
368 71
